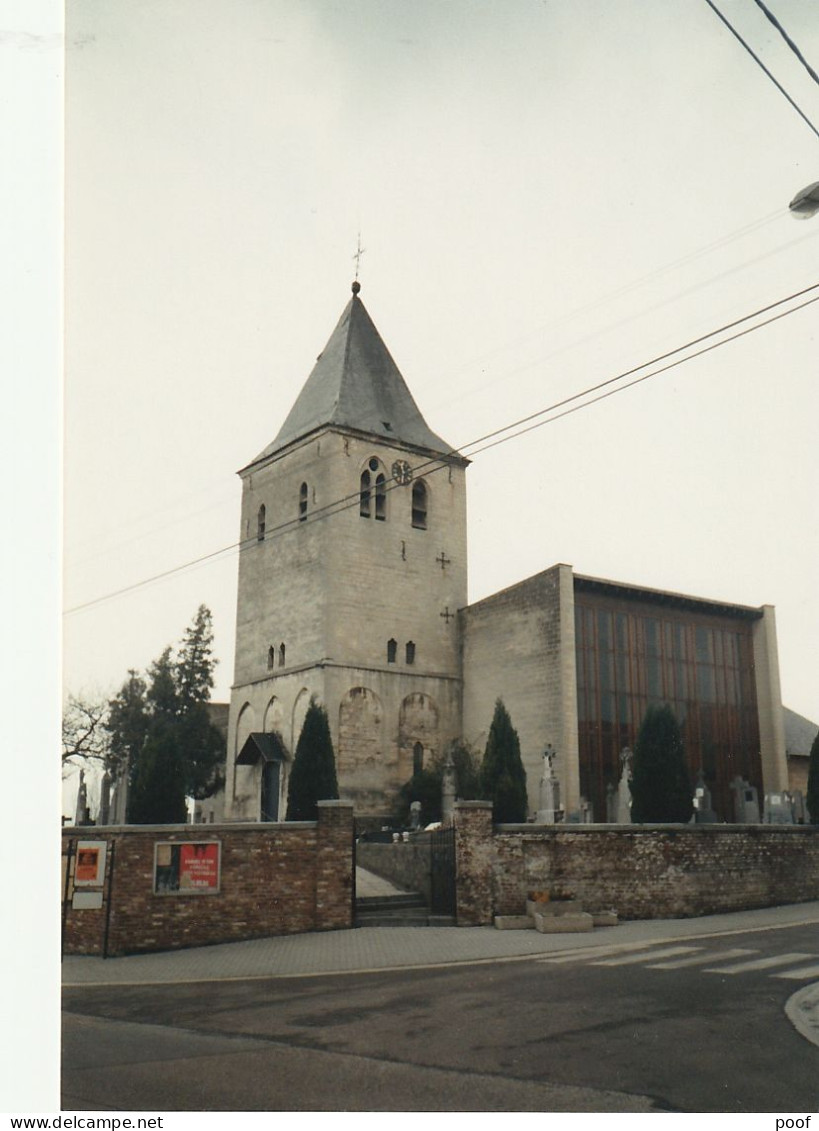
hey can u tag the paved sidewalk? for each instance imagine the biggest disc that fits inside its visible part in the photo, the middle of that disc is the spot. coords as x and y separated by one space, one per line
383 948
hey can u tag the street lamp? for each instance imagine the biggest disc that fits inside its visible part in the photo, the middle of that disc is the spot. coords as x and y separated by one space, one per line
806 202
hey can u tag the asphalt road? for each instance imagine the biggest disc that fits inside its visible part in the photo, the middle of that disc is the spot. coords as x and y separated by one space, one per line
663 1027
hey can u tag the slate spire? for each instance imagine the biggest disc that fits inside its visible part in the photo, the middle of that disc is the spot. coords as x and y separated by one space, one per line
356 384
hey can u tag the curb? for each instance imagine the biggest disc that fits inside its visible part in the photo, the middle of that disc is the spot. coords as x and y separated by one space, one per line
802 1010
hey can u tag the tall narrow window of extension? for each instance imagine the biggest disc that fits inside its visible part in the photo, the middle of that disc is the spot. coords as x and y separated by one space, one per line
260 524
417 758
302 502
419 504
380 497
364 495
410 651
281 655
271 656
392 648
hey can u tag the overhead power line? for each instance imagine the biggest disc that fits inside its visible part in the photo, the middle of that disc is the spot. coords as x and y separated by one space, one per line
759 62
515 429
770 16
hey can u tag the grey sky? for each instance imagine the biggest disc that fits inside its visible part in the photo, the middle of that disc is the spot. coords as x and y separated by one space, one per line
548 194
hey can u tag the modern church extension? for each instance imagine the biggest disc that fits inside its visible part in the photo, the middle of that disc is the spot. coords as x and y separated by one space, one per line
353 589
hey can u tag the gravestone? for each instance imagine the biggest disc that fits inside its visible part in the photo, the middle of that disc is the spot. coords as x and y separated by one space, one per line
777 809
623 810
703 813
449 787
549 807
746 802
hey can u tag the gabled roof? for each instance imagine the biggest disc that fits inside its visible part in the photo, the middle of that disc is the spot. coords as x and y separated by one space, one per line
356 384
268 747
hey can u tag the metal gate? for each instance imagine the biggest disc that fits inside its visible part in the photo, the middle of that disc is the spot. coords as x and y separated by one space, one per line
442 871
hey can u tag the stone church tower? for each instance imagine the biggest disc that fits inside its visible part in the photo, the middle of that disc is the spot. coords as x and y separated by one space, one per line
352 566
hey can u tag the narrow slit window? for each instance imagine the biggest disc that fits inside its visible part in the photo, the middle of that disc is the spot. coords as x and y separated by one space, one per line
410 651
380 498
271 656
417 758
419 504
260 523
281 655
302 502
392 649
364 495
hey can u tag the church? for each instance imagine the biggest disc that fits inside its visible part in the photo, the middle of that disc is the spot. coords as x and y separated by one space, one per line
353 589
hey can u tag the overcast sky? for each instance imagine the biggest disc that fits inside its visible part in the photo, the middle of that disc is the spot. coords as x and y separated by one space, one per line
549 193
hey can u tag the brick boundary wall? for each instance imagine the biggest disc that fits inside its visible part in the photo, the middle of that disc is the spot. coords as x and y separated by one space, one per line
275 879
642 871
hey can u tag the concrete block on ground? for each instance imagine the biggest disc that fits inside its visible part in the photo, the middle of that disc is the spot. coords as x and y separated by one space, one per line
605 918
553 907
558 924
514 922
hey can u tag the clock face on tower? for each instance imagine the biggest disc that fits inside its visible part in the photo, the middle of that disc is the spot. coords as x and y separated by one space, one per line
401 472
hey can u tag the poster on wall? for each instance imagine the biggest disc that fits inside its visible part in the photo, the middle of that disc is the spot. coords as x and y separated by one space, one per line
89 863
186 868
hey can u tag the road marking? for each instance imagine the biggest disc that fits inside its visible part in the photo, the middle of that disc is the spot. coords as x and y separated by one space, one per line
760 964
802 972
698 960
596 952
668 952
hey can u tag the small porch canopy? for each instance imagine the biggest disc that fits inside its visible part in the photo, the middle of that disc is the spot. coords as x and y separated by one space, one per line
262 747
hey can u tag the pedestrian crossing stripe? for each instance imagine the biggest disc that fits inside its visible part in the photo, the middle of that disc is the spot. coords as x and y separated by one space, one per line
698 960
680 957
630 959
760 963
806 972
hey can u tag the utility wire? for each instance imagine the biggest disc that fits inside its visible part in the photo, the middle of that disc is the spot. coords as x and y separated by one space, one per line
646 376
769 15
757 59
645 364
431 466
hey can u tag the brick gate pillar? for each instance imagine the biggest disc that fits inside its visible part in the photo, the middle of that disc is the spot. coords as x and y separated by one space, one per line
473 863
335 860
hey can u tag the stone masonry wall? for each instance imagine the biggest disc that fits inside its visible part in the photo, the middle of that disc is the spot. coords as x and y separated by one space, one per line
275 879
405 865
643 872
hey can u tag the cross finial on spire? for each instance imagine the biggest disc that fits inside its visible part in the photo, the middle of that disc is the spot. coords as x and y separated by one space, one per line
357 257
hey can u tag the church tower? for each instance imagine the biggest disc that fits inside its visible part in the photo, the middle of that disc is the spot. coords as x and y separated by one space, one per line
351 570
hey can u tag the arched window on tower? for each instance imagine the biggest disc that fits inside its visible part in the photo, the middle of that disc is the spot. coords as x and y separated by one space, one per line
380 497
419 504
260 520
281 655
417 758
392 649
302 502
364 495
271 656
410 652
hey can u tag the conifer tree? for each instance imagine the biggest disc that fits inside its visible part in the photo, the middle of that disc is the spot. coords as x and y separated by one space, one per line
313 776
813 782
161 730
660 784
502 774
158 791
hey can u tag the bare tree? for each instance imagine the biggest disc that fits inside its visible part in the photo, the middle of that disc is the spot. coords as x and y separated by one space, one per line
84 735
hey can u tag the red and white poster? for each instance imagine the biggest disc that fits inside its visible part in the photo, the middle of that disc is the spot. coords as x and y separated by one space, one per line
199 866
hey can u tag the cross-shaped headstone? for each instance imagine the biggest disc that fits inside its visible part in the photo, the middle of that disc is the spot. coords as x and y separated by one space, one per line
443 561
